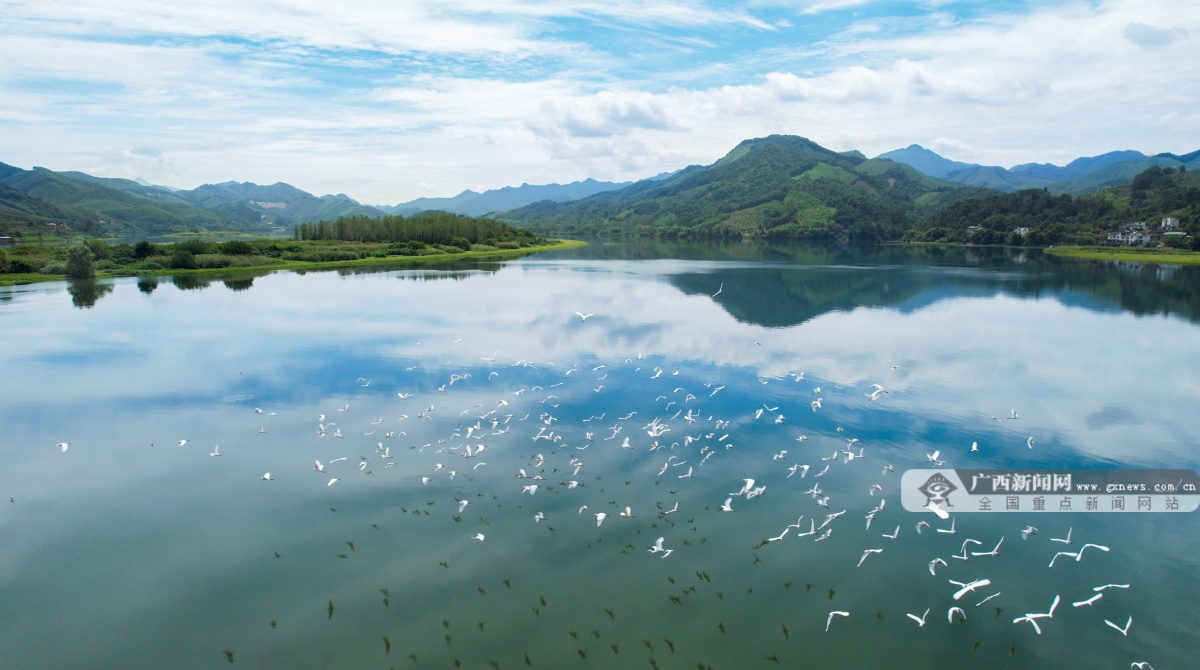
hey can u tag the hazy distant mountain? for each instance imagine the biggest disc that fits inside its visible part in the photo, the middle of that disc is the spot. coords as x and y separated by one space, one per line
1076 168
281 204
472 203
929 162
1082 175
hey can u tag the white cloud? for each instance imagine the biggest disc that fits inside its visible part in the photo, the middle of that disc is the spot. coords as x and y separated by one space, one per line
376 99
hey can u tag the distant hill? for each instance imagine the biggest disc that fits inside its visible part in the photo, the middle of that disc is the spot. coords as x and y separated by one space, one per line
123 207
472 203
926 161
780 186
93 207
990 176
279 204
1076 168
1080 176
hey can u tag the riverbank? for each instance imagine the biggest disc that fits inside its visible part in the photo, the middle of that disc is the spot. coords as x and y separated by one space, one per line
1129 254
308 266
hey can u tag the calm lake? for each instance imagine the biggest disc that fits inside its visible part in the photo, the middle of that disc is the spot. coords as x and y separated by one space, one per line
423 394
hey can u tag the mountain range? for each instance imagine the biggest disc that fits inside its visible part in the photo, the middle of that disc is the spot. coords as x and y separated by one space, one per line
1080 176
780 186
125 207
472 203
788 187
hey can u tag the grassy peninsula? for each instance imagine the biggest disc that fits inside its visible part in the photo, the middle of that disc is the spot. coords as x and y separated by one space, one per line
391 241
1130 254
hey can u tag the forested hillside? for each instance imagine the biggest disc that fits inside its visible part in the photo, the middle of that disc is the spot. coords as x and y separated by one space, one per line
1151 196
778 187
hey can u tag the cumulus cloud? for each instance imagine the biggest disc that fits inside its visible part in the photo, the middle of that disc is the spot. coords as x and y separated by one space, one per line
375 98
606 114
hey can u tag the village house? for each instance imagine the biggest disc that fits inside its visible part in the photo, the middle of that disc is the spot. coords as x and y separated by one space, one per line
1127 237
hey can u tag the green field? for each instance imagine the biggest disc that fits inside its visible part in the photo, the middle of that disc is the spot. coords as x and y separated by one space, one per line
1131 254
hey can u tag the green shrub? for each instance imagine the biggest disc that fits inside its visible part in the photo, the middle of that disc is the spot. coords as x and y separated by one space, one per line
509 244
143 249
107 265
81 263
149 265
183 259
236 248
19 265
53 269
482 247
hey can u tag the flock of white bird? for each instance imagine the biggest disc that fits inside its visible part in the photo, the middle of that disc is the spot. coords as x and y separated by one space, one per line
673 439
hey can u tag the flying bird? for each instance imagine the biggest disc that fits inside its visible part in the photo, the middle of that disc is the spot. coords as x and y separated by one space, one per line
1124 631
920 620
832 614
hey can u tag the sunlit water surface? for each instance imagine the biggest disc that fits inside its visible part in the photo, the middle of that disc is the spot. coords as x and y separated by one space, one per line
132 550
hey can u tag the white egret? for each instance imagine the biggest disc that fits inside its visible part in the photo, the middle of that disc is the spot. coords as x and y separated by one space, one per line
1064 540
830 618
1124 631
921 619
867 553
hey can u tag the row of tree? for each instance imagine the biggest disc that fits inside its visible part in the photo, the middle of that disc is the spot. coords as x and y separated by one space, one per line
427 228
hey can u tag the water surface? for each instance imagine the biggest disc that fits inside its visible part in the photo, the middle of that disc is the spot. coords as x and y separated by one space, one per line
131 550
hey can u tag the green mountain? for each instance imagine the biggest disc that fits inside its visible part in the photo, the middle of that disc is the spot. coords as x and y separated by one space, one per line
774 187
1120 173
278 204
990 176
123 207
93 207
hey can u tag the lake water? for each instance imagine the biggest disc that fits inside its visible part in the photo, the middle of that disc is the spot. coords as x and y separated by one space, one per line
130 550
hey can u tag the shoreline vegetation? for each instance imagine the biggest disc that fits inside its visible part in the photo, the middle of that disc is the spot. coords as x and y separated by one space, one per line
337 255
392 241
1167 256
263 263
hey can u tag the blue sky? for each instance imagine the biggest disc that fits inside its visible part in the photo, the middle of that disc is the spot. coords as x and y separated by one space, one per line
387 101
